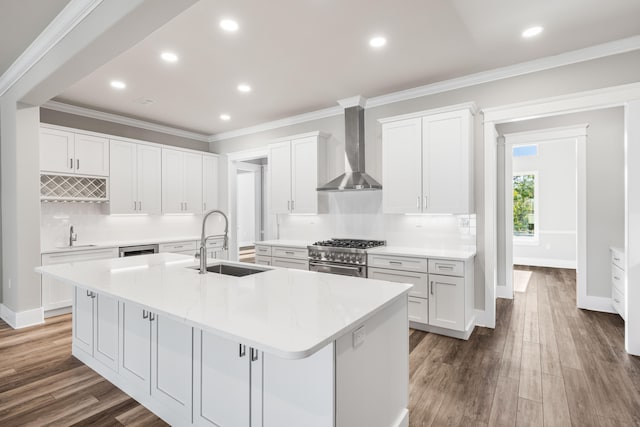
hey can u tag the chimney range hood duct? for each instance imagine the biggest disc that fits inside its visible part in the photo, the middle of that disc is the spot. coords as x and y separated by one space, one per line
355 178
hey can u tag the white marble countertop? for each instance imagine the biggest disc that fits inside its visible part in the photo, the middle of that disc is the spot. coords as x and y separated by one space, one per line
453 252
287 243
82 246
288 313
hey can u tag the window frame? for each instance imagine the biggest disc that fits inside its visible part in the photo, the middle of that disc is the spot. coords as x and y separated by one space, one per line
533 239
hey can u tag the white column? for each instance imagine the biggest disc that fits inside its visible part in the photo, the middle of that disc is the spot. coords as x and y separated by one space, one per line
490 224
632 226
20 183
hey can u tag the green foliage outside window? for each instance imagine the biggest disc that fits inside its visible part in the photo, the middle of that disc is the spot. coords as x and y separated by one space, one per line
523 205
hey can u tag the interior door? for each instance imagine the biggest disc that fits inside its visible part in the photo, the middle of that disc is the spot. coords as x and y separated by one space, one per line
402 166
280 177
122 178
149 176
222 382
56 151
135 349
91 155
172 181
304 175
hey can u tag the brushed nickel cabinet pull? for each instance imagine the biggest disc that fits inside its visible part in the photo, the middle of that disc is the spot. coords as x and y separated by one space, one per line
418 202
70 163
145 314
152 316
431 287
242 350
77 164
254 354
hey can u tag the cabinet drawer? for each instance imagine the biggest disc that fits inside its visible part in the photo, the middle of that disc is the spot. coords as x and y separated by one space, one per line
617 258
399 263
446 267
178 246
418 310
617 277
295 264
283 252
617 300
263 250
418 280
64 257
263 260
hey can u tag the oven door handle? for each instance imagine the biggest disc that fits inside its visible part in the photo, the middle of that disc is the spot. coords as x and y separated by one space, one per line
345 267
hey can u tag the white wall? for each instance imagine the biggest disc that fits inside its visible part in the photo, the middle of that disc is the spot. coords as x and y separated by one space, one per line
555 243
605 187
246 190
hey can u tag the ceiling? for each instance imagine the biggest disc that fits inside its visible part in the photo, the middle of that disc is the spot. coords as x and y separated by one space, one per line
303 55
21 21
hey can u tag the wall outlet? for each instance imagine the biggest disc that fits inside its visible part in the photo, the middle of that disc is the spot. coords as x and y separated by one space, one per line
359 336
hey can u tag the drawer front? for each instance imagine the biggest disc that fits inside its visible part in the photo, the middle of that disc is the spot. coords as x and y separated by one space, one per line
617 259
419 281
617 300
63 258
617 277
399 263
213 243
294 264
179 246
263 250
282 252
263 260
418 310
446 267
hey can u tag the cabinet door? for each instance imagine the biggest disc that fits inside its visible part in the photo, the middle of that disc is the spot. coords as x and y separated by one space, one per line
56 151
222 381
209 183
135 347
446 162
446 302
105 330
91 155
83 320
149 176
402 166
55 294
171 364
295 264
122 178
418 310
193 182
279 178
302 390
304 175
172 181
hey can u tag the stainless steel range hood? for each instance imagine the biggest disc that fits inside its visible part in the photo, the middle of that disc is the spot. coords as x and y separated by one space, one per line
354 178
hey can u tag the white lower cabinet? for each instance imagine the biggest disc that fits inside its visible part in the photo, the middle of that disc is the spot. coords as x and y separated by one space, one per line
95 326
446 305
156 358
296 258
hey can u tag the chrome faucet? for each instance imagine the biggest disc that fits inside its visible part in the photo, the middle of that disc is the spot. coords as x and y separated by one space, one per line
72 236
203 239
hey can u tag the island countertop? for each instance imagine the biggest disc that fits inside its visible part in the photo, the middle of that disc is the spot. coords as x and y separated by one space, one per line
288 313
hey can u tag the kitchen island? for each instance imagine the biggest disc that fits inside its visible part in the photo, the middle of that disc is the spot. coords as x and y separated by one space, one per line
277 348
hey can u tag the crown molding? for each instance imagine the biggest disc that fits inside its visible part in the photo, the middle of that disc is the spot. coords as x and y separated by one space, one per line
116 118
560 60
293 120
353 101
72 14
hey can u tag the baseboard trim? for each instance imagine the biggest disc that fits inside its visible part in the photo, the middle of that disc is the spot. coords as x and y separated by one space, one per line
462 335
545 262
21 319
403 419
593 303
481 319
57 312
501 292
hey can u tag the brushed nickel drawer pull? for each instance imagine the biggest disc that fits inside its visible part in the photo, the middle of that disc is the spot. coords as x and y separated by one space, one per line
395 262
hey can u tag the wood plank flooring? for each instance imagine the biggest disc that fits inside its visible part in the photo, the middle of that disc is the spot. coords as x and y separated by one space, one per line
546 363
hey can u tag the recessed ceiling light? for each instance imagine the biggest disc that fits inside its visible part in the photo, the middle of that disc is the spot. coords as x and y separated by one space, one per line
117 84
244 88
532 31
229 25
169 56
225 117
378 42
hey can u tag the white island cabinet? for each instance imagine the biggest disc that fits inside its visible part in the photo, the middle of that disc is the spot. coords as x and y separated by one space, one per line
278 348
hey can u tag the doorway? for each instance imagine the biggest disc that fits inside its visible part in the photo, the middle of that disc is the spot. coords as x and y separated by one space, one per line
542 191
250 206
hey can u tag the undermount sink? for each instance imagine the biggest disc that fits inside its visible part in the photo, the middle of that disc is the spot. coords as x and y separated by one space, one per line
75 246
233 269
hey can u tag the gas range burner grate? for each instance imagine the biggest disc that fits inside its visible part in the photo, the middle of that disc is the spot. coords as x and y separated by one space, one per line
350 243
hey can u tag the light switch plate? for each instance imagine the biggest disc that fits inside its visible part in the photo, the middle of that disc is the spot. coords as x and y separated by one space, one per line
359 336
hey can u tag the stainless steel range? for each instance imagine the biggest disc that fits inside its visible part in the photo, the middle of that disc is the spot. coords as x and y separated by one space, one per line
347 257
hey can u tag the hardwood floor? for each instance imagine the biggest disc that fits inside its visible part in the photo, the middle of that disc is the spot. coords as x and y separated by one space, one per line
546 363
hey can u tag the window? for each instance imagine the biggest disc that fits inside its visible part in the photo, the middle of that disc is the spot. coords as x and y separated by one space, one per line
525 150
524 205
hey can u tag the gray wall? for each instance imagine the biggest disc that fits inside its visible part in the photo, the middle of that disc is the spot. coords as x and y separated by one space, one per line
599 73
605 188
94 125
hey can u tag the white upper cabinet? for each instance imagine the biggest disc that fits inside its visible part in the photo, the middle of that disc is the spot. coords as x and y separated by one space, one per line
296 168
209 182
427 161
181 182
73 153
135 178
